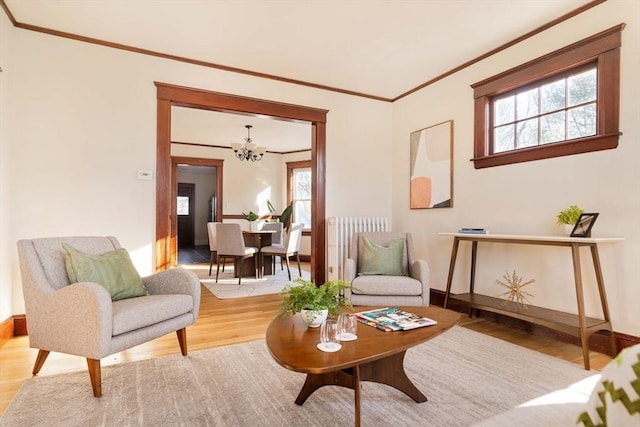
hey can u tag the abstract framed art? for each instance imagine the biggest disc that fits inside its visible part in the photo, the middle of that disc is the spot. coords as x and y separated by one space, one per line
431 168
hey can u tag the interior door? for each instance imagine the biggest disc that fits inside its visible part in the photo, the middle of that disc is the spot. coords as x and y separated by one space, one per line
186 215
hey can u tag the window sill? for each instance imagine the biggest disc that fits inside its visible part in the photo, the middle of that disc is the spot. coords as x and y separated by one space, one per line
565 148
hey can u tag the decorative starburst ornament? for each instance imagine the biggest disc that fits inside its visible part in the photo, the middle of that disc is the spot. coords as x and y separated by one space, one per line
514 287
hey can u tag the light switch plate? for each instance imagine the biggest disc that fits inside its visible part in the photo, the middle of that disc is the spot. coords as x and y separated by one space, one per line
145 175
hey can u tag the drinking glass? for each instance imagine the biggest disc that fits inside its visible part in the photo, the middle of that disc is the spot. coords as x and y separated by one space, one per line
329 336
348 326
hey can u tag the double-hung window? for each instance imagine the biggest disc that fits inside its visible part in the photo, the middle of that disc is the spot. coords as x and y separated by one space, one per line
564 103
299 182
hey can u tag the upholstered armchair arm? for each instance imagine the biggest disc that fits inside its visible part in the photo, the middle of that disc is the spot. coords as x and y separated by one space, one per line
420 270
175 281
349 274
76 319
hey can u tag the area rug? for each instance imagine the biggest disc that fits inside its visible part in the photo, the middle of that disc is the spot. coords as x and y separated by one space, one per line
227 286
468 377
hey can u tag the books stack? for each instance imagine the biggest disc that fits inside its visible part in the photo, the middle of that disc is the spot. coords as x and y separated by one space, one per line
393 319
469 230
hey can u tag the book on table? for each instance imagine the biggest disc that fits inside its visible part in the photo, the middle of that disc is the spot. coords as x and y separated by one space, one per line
471 230
393 319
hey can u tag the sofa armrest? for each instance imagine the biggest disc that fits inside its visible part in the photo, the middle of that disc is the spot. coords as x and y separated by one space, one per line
419 270
175 281
349 274
76 319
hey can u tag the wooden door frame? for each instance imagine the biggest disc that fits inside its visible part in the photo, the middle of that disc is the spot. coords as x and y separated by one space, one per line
192 161
170 95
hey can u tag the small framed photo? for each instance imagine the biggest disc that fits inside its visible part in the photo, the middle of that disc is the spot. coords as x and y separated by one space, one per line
584 225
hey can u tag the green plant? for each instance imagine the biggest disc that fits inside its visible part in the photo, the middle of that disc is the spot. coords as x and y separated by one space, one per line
251 216
284 217
308 296
570 215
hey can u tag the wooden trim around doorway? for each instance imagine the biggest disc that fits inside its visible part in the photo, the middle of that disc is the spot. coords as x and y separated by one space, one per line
171 95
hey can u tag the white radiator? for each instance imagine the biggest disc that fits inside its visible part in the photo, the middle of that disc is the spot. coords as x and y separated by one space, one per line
339 232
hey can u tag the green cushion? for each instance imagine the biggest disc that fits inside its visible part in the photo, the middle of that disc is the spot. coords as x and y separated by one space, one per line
383 260
112 270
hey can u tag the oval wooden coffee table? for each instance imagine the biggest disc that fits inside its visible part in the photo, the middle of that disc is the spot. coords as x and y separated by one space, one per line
376 355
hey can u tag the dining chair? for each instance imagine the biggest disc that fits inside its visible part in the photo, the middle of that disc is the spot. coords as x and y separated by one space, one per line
290 247
230 244
213 246
278 227
276 239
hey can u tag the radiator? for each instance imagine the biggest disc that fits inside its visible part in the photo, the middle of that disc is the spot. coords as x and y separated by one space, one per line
339 232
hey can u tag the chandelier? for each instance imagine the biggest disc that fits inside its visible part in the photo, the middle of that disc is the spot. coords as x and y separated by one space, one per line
248 150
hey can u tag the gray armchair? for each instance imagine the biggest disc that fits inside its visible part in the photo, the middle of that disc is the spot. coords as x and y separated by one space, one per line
409 289
81 318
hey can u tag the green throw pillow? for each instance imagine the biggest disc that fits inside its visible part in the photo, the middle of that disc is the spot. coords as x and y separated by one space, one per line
383 260
112 270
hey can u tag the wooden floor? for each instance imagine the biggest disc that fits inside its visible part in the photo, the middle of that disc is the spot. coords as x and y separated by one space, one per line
231 321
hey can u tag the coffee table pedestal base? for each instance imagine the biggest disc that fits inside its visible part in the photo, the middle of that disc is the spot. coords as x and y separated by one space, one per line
389 371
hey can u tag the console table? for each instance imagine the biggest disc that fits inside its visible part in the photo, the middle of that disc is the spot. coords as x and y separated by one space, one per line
578 325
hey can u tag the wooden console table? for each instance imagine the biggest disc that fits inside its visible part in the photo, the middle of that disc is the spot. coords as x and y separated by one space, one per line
576 325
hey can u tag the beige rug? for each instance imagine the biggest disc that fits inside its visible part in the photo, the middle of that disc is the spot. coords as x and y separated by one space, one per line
227 286
467 377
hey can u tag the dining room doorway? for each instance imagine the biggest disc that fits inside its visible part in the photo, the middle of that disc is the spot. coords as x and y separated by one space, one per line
172 95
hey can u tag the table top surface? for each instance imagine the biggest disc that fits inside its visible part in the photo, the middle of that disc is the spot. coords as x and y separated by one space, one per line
293 345
259 231
533 238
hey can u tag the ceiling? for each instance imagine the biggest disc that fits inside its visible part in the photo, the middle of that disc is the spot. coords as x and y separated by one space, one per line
377 48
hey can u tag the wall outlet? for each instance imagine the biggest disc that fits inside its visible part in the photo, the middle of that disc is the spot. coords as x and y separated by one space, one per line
145 175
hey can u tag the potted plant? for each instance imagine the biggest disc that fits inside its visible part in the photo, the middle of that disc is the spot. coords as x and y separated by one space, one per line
314 303
284 217
251 217
569 217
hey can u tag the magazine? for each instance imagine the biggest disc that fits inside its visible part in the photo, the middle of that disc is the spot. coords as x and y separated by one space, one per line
393 319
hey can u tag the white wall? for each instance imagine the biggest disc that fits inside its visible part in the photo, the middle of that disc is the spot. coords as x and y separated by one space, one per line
84 122
7 246
525 198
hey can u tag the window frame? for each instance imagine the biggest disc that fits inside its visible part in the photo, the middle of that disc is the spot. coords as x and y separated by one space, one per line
602 49
291 168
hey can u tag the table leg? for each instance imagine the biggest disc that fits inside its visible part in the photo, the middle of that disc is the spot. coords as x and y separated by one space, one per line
577 273
452 266
472 273
356 397
603 297
389 371
313 382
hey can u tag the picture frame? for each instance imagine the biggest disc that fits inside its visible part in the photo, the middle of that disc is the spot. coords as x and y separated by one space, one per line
431 167
584 225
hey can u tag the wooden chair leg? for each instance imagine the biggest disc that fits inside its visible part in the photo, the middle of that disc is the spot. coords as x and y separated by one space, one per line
95 375
256 266
211 262
240 263
42 356
299 268
288 267
182 340
217 266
